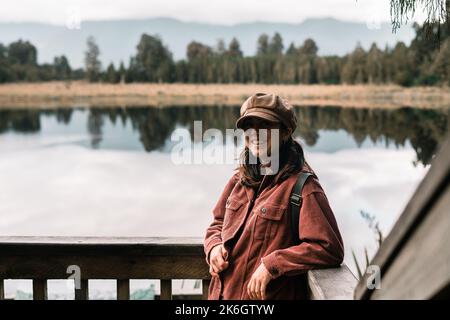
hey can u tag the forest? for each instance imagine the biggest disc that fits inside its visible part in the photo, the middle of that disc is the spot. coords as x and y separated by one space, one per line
425 62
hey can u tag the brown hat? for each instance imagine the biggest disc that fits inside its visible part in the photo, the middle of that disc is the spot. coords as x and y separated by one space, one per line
269 107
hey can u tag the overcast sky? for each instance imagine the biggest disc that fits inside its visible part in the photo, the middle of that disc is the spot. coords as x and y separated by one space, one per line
212 11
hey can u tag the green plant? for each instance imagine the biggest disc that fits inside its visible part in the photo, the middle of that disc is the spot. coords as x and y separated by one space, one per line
374 226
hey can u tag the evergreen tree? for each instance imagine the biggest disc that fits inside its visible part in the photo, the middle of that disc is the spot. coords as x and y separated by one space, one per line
122 72
234 49
276 44
399 66
4 65
61 68
354 69
111 75
91 60
440 66
374 67
291 50
262 45
307 55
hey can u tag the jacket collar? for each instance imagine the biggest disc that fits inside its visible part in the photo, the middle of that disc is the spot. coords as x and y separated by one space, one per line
267 179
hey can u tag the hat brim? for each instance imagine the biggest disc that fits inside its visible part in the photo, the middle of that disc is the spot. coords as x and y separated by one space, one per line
266 115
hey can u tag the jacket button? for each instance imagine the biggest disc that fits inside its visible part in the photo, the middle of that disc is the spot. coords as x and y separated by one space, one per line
228 201
263 210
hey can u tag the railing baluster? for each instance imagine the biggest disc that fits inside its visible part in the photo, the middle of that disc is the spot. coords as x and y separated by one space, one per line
39 289
2 290
205 288
166 290
123 289
83 292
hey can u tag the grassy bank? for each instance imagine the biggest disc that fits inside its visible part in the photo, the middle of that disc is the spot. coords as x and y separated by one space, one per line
65 94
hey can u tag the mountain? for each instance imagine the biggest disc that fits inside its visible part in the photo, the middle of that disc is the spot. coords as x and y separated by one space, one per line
118 38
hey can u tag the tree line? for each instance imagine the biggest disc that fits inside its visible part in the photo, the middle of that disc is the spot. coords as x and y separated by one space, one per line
18 62
424 62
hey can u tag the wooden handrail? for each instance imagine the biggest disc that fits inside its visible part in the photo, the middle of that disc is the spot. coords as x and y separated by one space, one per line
125 258
331 284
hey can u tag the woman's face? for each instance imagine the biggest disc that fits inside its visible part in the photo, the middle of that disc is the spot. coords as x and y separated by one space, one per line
260 143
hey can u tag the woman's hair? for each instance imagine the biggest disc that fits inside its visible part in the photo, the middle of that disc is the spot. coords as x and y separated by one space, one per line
291 160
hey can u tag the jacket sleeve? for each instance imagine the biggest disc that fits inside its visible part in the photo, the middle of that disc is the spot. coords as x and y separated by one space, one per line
321 243
213 232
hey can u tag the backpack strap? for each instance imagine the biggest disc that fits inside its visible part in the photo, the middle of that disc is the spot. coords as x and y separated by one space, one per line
295 203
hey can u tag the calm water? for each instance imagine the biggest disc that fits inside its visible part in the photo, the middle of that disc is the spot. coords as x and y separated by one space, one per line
109 171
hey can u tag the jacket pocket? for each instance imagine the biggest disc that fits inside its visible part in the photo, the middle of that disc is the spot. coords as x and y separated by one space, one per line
232 219
268 217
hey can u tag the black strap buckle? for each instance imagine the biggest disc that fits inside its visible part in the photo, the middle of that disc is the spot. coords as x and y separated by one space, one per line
296 199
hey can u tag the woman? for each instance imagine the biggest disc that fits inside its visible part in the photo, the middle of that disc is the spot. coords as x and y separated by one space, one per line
251 252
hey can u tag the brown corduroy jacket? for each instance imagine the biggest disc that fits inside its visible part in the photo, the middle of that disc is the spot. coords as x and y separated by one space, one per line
254 227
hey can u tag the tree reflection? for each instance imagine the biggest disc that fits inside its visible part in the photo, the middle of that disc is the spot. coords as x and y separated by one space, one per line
424 129
95 123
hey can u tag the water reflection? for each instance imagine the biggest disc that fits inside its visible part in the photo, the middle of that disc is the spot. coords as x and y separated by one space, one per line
423 129
85 172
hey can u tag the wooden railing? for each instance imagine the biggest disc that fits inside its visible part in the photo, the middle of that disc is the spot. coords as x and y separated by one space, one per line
41 259
122 259
331 284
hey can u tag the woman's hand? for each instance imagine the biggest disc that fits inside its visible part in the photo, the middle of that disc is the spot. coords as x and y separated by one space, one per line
217 260
256 287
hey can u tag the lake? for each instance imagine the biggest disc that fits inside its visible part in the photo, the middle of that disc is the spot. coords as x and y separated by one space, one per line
111 172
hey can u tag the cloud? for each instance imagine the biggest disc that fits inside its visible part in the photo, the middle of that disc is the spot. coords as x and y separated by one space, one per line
67 189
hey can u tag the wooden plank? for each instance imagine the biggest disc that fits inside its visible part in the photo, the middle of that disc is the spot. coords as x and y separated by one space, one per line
2 289
178 241
331 284
422 268
39 289
83 292
179 246
123 289
103 267
205 288
429 190
166 290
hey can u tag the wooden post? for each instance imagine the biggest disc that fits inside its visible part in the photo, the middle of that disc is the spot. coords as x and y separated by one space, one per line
205 288
39 289
83 292
166 290
123 289
2 290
